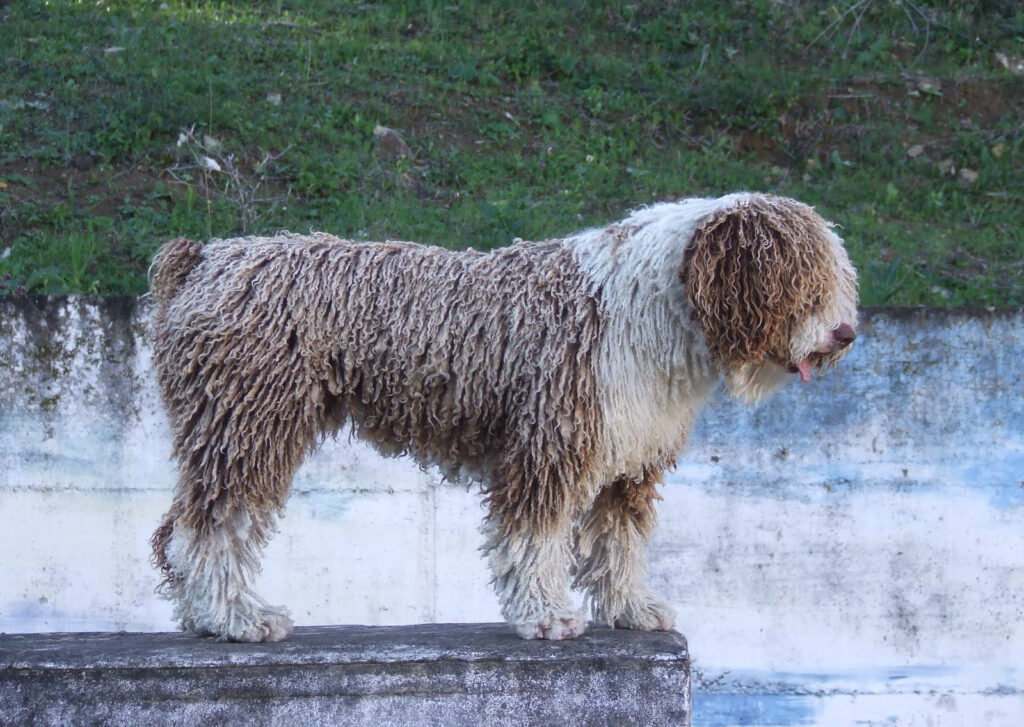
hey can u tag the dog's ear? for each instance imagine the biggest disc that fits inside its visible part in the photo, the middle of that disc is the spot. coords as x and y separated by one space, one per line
752 271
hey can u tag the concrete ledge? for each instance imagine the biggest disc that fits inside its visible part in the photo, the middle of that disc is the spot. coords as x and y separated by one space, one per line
446 674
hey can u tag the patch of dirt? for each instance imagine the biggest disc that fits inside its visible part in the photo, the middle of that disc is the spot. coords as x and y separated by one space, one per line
83 185
837 122
852 116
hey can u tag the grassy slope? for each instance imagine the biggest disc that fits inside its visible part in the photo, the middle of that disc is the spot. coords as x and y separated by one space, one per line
527 121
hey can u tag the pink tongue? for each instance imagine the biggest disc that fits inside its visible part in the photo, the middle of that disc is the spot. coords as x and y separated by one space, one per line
804 366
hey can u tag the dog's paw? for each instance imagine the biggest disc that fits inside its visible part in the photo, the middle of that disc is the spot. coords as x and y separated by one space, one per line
265 624
251 625
275 624
647 615
553 626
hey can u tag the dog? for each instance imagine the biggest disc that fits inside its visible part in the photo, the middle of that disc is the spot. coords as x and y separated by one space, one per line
562 376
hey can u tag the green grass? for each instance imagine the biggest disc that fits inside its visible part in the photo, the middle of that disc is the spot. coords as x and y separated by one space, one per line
525 120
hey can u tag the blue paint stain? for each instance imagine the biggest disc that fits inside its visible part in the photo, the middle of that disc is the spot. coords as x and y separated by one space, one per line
774 698
1007 492
998 481
325 506
764 710
1008 498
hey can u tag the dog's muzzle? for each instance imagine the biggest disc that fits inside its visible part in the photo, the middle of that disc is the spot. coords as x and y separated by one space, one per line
842 337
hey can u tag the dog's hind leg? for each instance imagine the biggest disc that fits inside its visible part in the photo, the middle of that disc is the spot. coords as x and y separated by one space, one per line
611 561
213 566
238 456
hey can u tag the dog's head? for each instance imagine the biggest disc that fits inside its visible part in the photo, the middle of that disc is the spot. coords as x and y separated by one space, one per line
773 289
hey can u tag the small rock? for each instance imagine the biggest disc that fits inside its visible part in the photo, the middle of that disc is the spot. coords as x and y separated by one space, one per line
968 176
83 162
274 98
391 144
946 166
1014 65
915 151
210 163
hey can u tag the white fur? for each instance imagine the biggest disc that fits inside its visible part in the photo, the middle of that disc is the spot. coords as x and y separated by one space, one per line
532 583
656 371
213 596
611 565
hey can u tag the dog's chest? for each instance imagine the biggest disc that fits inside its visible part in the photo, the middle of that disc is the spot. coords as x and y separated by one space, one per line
647 422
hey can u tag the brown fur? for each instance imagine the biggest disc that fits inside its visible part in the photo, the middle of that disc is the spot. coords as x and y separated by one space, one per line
628 503
458 358
171 267
753 272
621 518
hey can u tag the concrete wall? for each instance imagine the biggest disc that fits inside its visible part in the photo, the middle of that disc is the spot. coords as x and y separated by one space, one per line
852 549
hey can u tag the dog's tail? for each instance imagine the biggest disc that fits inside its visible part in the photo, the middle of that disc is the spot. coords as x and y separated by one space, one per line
171 266
160 541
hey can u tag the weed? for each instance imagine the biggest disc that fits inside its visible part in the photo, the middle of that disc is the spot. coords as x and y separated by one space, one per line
218 175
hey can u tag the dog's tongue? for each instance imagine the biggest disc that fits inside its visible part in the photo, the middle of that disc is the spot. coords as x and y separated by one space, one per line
804 367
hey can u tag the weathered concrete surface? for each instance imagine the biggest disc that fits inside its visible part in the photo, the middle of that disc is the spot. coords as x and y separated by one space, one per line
347 675
863 530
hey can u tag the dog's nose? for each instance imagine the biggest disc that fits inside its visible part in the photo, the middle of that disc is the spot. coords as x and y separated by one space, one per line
843 336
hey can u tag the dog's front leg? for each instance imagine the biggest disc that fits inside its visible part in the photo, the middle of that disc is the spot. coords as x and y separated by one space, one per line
610 543
531 577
